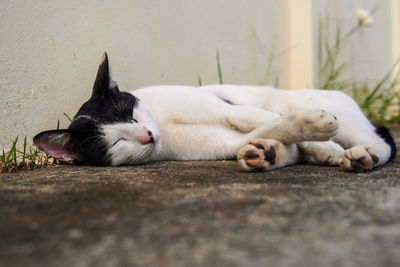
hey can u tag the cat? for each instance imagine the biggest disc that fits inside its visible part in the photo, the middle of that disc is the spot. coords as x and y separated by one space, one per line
263 127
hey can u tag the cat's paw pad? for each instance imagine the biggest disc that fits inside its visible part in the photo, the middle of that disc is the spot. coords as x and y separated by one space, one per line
358 158
268 147
252 158
315 124
259 154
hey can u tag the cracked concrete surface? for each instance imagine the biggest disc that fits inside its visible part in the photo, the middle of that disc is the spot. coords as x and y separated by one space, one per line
200 213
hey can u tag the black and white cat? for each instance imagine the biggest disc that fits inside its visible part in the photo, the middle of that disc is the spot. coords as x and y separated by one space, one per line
265 128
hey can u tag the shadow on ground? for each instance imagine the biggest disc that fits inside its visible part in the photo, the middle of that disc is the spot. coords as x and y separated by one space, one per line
205 213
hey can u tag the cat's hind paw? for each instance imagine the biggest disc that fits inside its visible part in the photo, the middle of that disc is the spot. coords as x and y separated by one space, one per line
359 158
262 155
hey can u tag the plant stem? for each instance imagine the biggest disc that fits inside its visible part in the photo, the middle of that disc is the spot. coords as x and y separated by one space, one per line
219 70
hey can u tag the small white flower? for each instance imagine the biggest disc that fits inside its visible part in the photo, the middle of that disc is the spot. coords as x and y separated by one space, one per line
364 17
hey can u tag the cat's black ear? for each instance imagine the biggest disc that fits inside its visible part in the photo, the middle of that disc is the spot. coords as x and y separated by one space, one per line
59 144
103 79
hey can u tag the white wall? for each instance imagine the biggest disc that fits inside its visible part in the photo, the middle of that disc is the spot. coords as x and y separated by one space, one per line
50 50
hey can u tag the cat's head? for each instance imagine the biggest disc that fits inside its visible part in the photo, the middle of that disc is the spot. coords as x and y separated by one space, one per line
111 128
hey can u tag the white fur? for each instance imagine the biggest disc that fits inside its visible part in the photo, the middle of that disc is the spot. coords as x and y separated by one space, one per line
195 124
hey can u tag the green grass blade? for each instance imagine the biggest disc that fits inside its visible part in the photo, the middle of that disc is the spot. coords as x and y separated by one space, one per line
370 97
65 114
12 150
24 154
219 69
338 41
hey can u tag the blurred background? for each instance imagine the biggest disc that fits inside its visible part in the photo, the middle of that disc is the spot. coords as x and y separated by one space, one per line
50 50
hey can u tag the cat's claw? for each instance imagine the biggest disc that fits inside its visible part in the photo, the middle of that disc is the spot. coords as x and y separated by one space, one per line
358 158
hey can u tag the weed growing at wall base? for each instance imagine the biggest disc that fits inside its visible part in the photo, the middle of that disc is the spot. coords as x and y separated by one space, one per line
379 102
26 158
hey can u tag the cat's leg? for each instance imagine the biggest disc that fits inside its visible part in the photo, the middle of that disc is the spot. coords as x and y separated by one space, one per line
292 127
286 131
245 118
299 126
289 128
268 154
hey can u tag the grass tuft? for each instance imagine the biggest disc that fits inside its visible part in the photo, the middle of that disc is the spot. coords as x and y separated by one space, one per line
26 158
22 160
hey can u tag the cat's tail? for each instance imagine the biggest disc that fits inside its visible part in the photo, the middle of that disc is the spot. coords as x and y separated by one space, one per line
384 133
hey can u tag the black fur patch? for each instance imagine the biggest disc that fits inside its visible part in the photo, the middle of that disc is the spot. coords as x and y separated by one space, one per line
384 133
92 148
111 107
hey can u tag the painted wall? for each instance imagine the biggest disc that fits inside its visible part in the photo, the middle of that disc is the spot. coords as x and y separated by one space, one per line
50 50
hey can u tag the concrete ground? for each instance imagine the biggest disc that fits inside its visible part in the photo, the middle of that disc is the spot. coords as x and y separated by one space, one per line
207 213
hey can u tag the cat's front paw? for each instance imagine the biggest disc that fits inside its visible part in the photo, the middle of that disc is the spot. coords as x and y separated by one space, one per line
313 125
327 153
359 158
262 155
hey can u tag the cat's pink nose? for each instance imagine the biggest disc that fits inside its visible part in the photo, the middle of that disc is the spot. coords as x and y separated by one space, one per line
148 139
